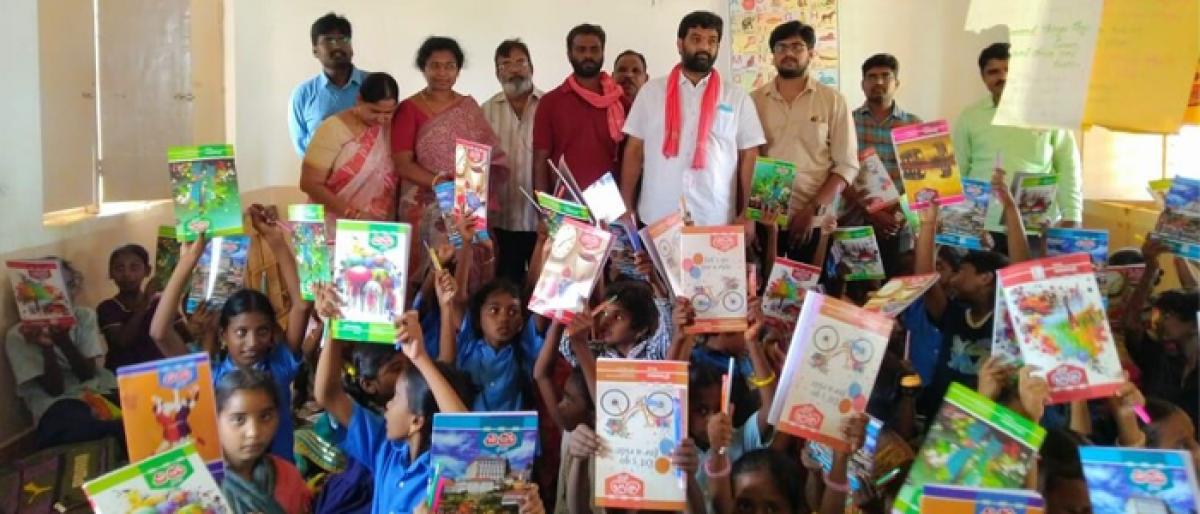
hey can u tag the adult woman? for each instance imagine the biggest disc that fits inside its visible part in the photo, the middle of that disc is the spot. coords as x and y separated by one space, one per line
348 166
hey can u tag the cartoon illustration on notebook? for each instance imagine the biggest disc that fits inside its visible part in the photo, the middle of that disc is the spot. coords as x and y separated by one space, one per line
172 416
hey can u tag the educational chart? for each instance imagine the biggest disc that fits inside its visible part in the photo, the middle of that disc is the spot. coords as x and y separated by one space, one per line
874 182
830 369
973 442
1179 224
1124 480
964 224
205 189
927 165
1060 324
662 242
166 256
786 287
472 161
311 248
771 189
370 266
857 249
1119 283
1034 195
41 292
751 22
168 403
484 460
949 499
713 277
898 293
220 272
577 255
641 414
174 482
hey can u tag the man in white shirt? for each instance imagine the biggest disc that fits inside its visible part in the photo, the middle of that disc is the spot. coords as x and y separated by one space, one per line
712 173
511 113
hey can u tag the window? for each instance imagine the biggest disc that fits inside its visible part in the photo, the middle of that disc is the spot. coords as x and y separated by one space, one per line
1118 165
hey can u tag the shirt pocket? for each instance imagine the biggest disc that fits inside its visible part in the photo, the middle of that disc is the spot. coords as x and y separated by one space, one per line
815 132
724 124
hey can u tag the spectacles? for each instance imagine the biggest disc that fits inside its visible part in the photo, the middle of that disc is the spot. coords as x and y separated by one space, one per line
796 48
519 64
334 40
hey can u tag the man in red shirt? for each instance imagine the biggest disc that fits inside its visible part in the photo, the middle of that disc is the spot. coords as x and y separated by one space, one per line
581 119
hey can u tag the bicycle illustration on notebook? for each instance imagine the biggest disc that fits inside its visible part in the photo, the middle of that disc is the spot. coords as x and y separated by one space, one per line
856 352
656 408
731 297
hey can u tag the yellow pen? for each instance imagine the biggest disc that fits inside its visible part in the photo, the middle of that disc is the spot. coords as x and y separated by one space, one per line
437 264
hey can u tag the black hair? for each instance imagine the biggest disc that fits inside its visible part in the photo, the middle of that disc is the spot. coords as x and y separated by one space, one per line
782 470
700 20
133 249
881 61
994 51
1181 303
638 298
72 278
1125 257
1158 410
586 29
244 301
506 48
702 375
952 255
246 380
379 86
793 29
328 24
499 285
985 262
1060 458
421 401
440 44
633 53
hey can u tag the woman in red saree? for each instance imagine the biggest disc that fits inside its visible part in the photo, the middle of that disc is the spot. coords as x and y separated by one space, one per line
348 166
424 131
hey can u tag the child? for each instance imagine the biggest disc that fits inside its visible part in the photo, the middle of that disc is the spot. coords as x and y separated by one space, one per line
125 318
247 325
248 412
630 324
1060 473
1171 429
767 481
373 379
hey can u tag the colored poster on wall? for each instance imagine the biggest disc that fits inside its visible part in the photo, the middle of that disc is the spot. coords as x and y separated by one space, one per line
752 22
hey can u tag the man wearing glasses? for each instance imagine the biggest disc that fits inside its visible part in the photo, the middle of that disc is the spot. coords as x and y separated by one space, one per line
806 123
331 91
510 113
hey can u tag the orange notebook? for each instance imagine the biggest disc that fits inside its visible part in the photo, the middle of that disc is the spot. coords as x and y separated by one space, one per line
168 403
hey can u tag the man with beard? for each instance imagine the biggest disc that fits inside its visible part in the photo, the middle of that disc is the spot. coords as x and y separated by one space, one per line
980 145
691 135
874 122
511 113
581 119
331 91
806 123
629 70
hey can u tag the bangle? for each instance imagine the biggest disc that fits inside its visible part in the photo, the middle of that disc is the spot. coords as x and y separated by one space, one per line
761 382
717 474
840 487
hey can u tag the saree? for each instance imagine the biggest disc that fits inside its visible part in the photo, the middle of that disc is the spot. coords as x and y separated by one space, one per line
362 173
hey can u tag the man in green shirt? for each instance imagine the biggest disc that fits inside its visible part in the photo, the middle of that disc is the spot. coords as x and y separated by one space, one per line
977 142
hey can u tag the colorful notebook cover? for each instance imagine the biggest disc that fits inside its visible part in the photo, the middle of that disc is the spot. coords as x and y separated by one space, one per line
874 182
1063 241
830 369
485 457
857 248
1125 480
949 499
1179 224
166 255
898 293
1059 319
41 292
641 413
662 240
175 479
472 162
220 272
564 207
205 189
1034 194
443 193
168 403
604 199
370 271
577 255
928 169
771 188
713 277
310 246
1004 338
786 287
964 224
972 442
1119 283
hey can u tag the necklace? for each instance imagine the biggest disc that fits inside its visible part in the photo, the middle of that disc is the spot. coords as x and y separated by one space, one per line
977 324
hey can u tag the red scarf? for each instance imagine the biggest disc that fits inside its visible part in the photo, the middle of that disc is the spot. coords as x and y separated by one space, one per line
610 101
674 117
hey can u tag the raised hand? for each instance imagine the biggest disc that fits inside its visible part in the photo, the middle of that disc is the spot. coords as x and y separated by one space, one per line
446 287
326 301
686 457
683 315
720 430
854 429
994 374
409 336
531 501
1034 392
583 442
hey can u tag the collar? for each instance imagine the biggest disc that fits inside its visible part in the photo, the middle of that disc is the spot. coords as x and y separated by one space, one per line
419 465
772 88
683 80
502 98
895 113
356 78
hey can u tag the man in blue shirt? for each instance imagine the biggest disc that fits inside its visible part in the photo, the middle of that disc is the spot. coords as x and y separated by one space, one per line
334 89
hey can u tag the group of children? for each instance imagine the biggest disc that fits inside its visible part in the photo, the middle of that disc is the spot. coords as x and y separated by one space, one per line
468 343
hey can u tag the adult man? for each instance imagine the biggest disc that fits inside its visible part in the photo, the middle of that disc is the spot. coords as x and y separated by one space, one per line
691 135
809 124
980 145
873 123
332 90
629 71
511 113
581 119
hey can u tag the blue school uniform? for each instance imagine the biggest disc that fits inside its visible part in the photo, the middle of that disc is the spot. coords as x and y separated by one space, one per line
400 481
925 340
502 376
282 365
431 325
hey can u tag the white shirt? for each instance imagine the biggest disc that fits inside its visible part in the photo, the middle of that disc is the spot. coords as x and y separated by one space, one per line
516 140
711 192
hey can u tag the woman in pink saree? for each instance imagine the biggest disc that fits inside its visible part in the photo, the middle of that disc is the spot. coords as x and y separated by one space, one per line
348 165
